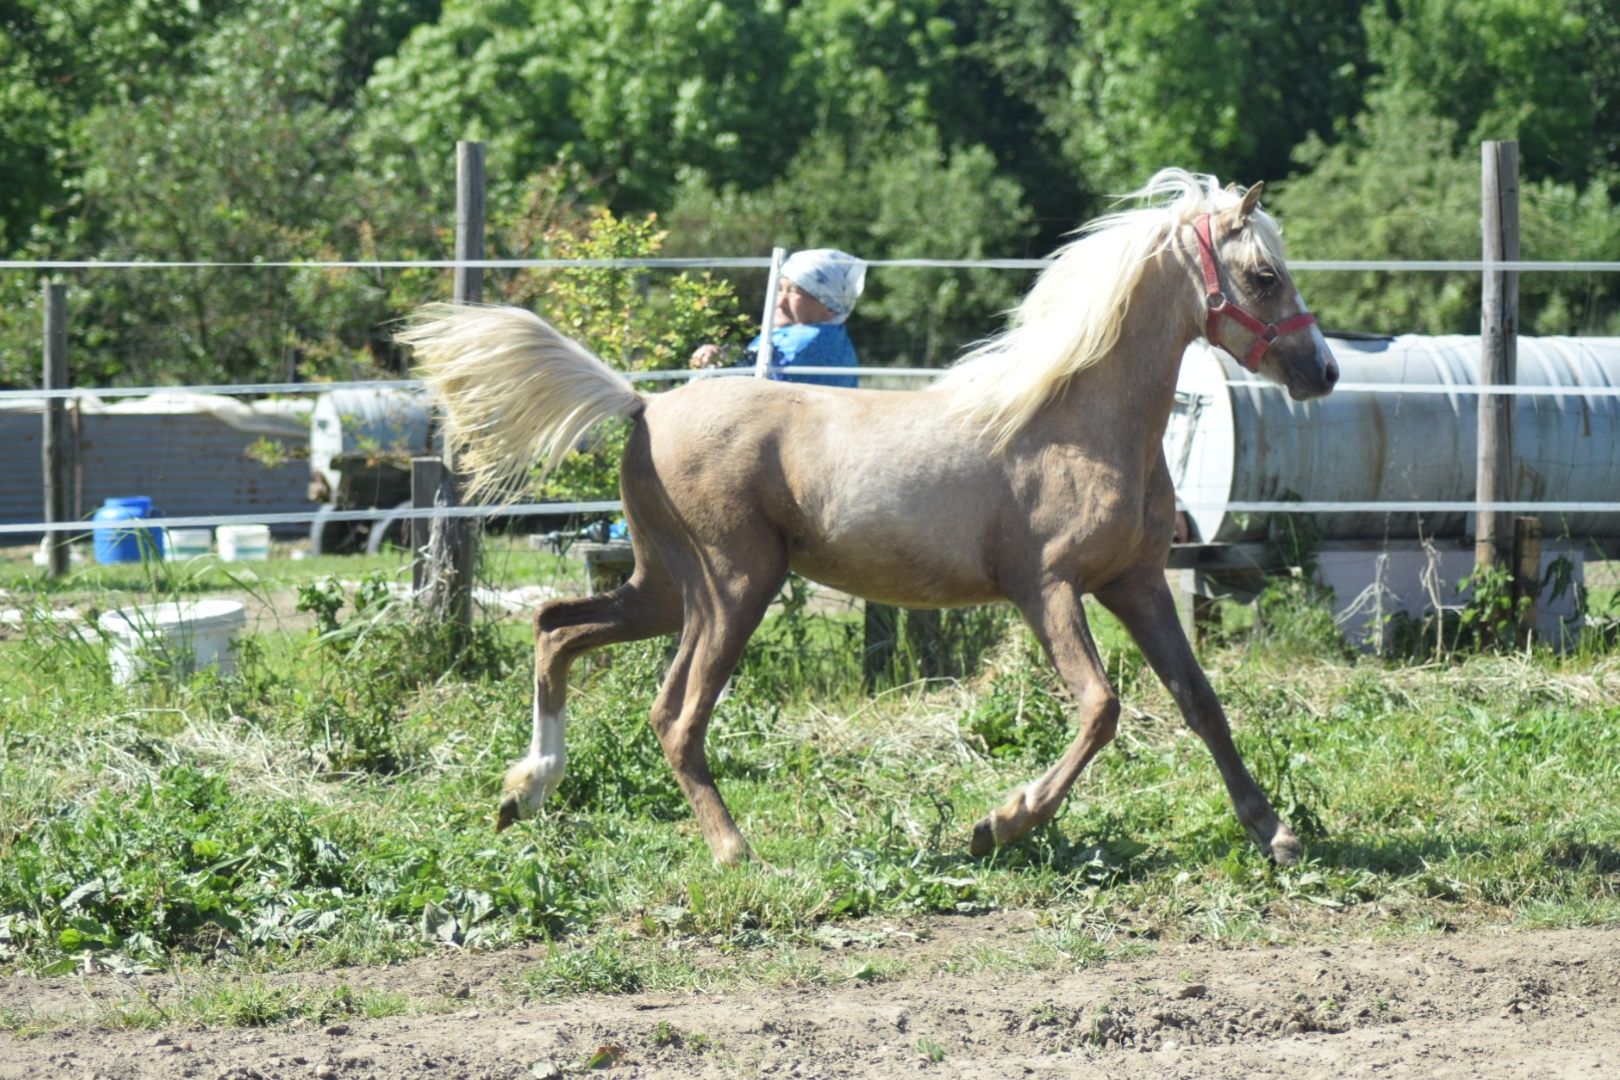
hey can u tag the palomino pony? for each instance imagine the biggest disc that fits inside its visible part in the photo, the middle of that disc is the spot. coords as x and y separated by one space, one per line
1031 473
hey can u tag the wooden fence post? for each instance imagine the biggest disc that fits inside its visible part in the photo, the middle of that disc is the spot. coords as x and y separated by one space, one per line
1526 577
452 549
53 440
881 633
1498 342
469 287
427 476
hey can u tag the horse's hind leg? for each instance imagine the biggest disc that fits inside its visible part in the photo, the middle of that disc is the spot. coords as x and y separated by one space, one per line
720 615
644 606
1059 621
1144 604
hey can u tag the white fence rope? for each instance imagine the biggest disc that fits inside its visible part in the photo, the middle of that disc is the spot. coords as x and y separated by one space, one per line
1524 266
753 262
614 506
224 390
267 389
299 517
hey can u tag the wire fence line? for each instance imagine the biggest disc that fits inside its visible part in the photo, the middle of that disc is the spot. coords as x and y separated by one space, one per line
327 514
614 506
605 506
754 262
270 389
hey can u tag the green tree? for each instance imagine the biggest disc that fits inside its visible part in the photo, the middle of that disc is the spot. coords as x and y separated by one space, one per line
1405 183
629 89
879 68
1544 72
1222 86
31 117
59 58
898 196
1396 190
245 161
977 74
1402 189
1018 54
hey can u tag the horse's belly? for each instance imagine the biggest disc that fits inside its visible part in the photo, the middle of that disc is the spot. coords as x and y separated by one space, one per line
898 574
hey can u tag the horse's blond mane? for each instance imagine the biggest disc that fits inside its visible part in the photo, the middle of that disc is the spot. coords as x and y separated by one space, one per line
1072 316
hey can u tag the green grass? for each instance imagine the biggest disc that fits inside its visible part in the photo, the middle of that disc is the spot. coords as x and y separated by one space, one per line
506 561
245 1003
332 804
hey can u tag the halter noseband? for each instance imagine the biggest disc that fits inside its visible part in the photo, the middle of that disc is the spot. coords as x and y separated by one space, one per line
1217 304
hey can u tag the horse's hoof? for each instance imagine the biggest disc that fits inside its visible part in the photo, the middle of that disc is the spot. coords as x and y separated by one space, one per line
1285 847
984 839
508 813
734 853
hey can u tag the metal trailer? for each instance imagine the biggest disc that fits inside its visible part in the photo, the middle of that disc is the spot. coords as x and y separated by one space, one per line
360 447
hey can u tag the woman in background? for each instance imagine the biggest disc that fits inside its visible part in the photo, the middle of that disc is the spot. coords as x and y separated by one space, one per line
816 293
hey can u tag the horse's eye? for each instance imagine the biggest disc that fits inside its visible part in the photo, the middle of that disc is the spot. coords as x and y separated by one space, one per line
1266 276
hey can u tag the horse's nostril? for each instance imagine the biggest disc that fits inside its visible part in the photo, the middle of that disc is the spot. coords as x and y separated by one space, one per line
1331 373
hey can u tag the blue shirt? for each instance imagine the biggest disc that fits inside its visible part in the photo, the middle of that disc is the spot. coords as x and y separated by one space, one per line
809 345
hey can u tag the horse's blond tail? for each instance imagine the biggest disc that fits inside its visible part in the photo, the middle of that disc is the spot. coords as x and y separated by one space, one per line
513 389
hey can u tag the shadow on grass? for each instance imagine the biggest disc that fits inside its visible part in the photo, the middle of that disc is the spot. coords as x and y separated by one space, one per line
1412 856
1105 858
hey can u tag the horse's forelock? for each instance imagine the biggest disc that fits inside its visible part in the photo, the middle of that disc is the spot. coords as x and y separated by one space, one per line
1262 241
1182 196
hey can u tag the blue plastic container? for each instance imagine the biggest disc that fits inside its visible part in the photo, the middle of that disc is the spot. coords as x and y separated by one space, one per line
121 545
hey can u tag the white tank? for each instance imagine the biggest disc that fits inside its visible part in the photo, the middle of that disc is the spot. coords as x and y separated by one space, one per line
1235 438
387 422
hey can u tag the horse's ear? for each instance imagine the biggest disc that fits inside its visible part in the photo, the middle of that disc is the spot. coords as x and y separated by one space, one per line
1251 199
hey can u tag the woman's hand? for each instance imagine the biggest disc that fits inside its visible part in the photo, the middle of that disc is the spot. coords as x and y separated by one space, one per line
706 356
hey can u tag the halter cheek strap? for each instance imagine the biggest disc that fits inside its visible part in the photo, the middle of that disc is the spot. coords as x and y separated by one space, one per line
1217 305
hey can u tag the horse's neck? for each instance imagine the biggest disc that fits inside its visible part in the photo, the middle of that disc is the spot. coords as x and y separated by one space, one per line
1121 405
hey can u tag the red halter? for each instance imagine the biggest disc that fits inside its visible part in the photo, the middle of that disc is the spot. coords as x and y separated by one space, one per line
1217 305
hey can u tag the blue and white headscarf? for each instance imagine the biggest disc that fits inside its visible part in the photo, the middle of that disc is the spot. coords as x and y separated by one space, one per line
833 277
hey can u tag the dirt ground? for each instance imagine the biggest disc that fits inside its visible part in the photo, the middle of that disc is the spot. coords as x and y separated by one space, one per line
1520 1004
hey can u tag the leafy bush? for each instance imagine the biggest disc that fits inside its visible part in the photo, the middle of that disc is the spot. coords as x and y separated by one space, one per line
614 761
632 321
885 197
1294 619
374 664
1023 713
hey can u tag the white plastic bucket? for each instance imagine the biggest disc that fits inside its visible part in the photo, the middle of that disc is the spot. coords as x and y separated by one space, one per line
188 543
244 542
186 636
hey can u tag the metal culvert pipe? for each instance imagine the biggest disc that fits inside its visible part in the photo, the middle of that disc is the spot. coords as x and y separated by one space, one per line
1235 438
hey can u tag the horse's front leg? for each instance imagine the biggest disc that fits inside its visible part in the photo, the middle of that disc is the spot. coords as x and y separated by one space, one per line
1059 622
1143 603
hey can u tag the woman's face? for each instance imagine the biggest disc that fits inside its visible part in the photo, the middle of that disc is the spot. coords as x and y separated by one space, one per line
795 306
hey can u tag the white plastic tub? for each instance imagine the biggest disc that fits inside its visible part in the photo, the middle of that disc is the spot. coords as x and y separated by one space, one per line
183 636
244 542
187 543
